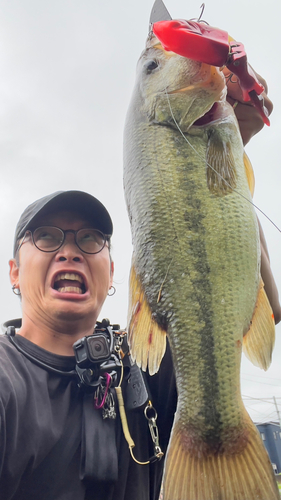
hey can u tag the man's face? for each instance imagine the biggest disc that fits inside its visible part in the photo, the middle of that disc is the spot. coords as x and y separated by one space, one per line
51 283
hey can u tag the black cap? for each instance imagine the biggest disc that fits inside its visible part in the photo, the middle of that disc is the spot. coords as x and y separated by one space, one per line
85 204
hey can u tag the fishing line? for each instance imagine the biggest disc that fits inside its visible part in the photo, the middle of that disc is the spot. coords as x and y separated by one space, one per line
162 284
208 164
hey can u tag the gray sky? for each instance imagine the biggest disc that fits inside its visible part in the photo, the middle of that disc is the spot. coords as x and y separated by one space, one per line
66 75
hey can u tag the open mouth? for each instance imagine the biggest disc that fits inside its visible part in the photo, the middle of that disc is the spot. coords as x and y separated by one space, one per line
69 283
209 117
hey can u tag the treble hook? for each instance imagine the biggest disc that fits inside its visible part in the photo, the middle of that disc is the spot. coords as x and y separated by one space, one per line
202 7
229 78
198 19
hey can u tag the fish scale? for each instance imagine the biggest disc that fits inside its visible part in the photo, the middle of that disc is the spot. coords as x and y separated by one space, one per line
176 230
196 270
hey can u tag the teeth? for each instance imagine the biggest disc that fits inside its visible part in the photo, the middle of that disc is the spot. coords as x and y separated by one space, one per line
69 276
69 289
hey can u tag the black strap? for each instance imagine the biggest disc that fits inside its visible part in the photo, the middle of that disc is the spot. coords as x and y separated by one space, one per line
38 362
11 322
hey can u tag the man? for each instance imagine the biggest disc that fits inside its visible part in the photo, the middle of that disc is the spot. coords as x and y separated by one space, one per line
54 443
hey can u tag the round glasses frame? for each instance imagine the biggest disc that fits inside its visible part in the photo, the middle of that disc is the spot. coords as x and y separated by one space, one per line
104 238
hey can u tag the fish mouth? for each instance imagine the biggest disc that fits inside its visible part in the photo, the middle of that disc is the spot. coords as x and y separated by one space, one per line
209 117
218 112
69 282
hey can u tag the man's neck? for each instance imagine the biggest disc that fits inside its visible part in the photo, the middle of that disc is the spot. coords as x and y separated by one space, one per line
58 340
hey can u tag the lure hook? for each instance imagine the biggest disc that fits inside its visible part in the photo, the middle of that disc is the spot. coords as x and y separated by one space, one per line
229 78
199 19
202 7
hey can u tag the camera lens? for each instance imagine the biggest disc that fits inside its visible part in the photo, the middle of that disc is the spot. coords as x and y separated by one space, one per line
98 348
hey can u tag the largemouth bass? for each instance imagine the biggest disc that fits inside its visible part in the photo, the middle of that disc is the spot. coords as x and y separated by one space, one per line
196 273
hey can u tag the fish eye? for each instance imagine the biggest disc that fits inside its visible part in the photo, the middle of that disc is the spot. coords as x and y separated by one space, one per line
151 66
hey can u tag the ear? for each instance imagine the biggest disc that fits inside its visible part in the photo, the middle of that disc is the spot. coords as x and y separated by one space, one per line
14 272
111 272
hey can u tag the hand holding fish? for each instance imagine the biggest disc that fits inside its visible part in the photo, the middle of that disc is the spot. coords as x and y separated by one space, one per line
249 119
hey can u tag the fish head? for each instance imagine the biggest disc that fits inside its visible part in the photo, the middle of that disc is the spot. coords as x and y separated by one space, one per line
176 90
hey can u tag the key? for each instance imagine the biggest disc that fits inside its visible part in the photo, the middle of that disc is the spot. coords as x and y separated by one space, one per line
108 410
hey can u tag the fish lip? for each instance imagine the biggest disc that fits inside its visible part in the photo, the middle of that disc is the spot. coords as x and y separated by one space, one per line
182 90
70 271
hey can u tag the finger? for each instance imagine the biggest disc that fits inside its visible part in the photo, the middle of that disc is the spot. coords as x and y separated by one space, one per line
233 87
249 120
234 91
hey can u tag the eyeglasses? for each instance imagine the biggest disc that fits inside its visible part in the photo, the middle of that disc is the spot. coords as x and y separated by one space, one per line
51 238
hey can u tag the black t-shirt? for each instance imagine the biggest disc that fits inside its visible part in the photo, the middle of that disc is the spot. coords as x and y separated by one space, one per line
54 444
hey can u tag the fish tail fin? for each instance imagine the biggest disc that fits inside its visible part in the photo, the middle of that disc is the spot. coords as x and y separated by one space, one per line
147 339
245 475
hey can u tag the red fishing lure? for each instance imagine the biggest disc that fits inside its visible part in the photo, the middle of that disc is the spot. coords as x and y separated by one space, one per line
201 42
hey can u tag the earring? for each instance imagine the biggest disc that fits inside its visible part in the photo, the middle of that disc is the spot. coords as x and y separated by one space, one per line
113 290
15 289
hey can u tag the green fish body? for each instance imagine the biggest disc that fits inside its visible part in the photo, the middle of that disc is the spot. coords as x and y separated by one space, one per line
196 272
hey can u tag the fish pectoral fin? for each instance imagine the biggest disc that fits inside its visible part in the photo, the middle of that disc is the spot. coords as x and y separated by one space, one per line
147 339
258 342
221 171
249 173
193 473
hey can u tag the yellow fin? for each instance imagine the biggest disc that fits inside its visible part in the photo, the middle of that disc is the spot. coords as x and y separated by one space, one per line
245 475
249 173
147 339
221 172
259 341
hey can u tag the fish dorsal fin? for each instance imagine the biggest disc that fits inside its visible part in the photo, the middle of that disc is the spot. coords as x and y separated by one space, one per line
259 341
249 173
221 172
147 339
